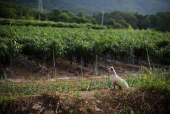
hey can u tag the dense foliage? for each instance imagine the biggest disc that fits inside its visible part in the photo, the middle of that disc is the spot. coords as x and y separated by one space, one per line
16 11
116 19
38 43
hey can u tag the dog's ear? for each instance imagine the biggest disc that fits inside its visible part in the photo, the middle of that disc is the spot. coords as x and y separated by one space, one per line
111 68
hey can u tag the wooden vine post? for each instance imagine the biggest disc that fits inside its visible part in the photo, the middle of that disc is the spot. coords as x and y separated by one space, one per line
96 62
54 71
132 58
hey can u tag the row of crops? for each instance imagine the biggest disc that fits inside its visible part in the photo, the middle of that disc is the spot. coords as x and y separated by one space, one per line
19 22
42 44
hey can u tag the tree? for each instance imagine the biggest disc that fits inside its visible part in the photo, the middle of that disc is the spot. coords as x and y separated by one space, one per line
143 22
110 22
80 14
131 19
153 20
124 23
146 22
8 13
64 17
54 15
163 21
81 18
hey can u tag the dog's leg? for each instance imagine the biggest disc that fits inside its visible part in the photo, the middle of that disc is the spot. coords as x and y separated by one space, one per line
113 86
119 86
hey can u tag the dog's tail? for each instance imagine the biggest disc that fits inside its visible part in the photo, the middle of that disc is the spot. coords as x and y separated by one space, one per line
125 84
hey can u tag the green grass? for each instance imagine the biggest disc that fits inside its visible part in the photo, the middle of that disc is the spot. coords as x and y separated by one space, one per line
157 78
141 79
50 87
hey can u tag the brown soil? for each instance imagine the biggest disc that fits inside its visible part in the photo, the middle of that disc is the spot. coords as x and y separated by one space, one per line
63 69
93 102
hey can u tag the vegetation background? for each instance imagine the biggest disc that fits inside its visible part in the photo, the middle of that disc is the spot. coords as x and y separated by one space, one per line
157 19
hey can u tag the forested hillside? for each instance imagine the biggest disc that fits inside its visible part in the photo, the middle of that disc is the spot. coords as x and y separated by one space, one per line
115 19
94 6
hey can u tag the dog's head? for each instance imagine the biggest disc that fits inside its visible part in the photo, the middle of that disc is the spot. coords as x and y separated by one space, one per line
110 70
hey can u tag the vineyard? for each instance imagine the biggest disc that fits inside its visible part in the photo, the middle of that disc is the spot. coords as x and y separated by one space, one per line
43 44
149 91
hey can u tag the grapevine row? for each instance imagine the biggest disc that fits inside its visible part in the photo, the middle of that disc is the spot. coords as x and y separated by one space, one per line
38 43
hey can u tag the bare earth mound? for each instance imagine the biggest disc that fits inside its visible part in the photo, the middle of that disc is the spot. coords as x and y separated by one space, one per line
93 102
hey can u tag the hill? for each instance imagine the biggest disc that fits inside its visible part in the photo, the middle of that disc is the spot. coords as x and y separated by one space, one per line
94 6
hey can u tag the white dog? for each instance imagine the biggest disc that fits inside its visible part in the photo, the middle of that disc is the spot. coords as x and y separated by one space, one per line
115 79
